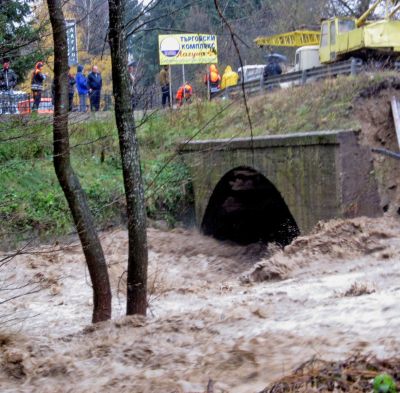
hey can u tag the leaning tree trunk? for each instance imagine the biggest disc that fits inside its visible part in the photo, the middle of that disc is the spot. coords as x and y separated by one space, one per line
137 257
68 180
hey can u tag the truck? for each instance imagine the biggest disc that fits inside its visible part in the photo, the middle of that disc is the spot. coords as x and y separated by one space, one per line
307 57
342 38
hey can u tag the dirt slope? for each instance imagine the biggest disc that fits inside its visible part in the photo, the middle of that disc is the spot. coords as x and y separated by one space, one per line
372 108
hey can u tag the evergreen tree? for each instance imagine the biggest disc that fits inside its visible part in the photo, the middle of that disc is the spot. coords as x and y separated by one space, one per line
133 14
18 36
166 17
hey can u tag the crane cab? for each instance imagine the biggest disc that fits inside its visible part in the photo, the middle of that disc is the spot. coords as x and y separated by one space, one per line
342 38
336 34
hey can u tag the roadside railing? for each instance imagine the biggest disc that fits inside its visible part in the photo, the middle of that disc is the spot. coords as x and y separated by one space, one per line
20 103
350 67
13 102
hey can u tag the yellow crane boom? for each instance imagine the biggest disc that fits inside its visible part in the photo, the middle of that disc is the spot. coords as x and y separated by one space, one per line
293 39
389 14
362 19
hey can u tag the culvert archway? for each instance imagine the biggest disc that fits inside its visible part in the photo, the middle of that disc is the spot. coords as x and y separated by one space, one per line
246 208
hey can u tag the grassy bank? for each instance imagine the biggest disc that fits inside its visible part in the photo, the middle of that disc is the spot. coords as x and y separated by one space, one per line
325 105
31 200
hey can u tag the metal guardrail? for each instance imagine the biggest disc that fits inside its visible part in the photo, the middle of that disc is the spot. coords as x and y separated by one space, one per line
13 103
350 67
20 103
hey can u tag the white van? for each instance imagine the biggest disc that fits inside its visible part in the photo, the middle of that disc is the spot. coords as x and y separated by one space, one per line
251 72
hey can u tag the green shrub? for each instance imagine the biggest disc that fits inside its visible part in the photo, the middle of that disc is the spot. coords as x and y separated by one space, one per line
169 191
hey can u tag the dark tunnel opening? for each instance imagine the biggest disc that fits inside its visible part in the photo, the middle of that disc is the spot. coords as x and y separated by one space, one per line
247 208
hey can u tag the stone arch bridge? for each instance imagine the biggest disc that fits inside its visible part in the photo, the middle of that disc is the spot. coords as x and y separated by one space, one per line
272 188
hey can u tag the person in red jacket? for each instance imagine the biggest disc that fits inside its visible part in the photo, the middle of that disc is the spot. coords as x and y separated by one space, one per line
184 93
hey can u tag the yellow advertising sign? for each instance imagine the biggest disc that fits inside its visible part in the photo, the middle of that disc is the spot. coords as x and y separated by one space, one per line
176 49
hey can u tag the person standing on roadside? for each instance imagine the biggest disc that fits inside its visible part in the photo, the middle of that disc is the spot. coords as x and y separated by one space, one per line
229 78
82 87
95 84
164 83
213 79
37 85
71 89
8 81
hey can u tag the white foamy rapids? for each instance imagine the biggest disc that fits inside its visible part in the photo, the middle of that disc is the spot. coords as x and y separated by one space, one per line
204 323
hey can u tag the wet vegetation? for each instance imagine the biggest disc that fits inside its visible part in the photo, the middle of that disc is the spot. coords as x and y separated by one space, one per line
352 375
32 202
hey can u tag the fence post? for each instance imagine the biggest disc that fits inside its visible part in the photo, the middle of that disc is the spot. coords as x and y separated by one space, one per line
226 93
262 85
107 102
304 77
353 66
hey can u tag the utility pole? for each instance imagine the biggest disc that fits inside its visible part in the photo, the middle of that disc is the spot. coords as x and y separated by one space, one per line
88 18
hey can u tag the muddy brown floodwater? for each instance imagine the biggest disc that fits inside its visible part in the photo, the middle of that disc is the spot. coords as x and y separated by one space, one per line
213 314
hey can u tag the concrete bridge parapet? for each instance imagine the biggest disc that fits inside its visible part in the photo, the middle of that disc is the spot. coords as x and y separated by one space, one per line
319 175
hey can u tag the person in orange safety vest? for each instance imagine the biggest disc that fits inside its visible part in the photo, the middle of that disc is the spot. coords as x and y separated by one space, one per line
214 78
184 93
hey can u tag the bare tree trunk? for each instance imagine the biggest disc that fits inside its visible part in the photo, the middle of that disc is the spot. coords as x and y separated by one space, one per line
68 180
137 257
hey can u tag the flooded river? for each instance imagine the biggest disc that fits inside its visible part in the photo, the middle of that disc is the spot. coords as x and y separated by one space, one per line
240 316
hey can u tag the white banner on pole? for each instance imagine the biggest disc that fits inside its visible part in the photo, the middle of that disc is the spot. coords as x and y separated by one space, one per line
71 41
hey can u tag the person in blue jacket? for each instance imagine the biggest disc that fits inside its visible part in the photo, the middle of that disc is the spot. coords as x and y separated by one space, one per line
95 84
82 87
